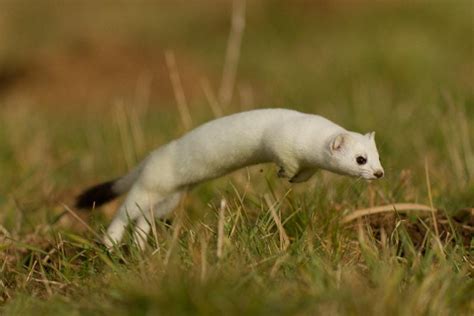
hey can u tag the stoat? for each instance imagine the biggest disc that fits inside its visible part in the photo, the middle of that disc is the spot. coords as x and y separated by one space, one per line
298 143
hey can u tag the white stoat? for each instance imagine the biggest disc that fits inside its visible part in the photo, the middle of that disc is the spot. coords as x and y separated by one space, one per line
298 143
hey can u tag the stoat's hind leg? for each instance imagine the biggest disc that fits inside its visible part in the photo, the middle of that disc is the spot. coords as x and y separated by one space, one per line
141 230
137 202
144 222
303 175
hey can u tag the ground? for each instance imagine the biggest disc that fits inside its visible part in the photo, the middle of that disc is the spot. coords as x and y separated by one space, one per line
85 93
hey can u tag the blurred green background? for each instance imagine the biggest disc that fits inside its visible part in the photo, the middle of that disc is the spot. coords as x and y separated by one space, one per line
307 54
77 71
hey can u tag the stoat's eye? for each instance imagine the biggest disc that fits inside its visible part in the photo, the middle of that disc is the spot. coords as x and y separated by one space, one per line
361 160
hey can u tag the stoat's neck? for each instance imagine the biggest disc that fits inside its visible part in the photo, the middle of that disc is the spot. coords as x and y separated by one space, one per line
312 148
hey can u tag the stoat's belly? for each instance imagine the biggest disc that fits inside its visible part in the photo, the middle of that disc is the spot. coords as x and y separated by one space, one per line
209 162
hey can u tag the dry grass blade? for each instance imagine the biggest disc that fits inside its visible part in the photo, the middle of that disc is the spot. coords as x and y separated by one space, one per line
178 90
233 53
430 196
4 231
80 220
211 98
433 217
153 228
278 264
44 279
174 238
284 240
125 135
220 228
397 207
204 242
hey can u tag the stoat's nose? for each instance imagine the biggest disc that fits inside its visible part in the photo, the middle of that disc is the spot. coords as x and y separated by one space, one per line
378 174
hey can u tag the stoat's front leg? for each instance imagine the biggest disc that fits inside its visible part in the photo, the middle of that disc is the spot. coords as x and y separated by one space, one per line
288 170
294 173
303 175
281 173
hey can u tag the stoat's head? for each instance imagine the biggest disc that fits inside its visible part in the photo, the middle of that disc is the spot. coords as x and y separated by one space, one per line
355 155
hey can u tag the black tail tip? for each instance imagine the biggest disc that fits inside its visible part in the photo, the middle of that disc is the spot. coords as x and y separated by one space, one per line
96 196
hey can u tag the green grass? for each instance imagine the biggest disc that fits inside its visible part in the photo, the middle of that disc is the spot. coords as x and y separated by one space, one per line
402 70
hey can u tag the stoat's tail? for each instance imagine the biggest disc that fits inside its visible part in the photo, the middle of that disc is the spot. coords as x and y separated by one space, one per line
107 191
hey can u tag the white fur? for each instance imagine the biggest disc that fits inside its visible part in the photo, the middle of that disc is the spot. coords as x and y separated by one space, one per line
298 143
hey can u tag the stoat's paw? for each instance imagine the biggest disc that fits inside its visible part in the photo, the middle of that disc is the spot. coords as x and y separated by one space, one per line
287 171
302 176
282 173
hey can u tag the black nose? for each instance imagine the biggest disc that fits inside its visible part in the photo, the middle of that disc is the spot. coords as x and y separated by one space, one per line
378 174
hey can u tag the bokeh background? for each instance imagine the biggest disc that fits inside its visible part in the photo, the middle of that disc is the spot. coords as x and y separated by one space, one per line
87 84
82 54
88 88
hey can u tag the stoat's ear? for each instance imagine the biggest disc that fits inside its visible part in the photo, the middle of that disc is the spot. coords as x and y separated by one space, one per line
370 135
338 142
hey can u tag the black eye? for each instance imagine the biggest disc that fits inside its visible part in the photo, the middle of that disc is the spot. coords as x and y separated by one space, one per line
361 160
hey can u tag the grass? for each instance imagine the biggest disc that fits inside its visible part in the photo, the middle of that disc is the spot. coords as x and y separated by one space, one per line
402 70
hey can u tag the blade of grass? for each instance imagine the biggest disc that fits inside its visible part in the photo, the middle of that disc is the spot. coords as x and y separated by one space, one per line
396 207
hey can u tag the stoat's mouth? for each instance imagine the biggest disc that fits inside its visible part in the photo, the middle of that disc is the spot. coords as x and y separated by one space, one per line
367 176
370 179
